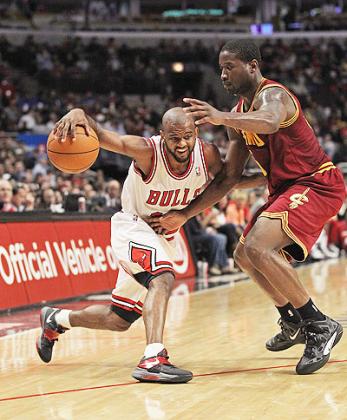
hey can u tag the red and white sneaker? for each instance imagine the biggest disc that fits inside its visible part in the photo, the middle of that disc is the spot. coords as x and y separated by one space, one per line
159 369
50 331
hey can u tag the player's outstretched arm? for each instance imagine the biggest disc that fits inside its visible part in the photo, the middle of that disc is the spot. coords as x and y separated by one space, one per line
273 105
251 181
133 146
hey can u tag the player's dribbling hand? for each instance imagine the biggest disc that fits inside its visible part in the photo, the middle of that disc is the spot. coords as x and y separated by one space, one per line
170 221
204 111
65 128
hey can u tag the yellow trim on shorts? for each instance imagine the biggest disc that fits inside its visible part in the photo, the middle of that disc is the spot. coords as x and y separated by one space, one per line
283 216
282 254
285 255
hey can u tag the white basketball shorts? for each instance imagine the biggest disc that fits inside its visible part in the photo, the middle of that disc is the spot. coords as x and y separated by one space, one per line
142 255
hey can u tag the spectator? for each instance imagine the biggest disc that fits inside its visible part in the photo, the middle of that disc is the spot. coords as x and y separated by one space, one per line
19 198
49 201
338 231
341 153
237 211
260 201
215 220
113 194
6 194
211 247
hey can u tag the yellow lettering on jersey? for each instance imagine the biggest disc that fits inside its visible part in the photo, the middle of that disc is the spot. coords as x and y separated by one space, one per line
252 139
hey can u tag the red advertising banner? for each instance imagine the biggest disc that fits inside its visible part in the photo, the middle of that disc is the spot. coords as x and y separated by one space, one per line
45 261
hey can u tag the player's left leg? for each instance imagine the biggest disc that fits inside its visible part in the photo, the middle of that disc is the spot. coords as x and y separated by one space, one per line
322 333
290 321
55 321
155 306
155 366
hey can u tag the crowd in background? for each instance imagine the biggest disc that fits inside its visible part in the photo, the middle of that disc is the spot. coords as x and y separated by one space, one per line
41 82
288 15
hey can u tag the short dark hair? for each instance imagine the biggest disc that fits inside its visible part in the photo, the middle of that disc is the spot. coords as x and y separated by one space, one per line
245 49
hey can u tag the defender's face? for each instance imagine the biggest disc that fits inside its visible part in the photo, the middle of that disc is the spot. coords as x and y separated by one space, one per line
235 74
179 140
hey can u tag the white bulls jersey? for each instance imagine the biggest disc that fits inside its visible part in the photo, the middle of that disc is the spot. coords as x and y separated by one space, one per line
142 253
163 189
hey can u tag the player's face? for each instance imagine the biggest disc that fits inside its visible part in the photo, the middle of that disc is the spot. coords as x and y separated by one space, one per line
235 74
180 140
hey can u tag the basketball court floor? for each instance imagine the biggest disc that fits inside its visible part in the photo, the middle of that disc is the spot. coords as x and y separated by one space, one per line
218 333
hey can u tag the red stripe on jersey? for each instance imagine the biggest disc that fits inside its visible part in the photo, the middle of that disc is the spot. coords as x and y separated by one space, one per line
137 170
150 176
203 158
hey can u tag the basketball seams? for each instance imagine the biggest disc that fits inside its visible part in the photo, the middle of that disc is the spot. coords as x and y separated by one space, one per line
73 157
72 153
91 134
73 170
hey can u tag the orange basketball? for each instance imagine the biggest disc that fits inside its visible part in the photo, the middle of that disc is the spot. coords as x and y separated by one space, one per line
74 157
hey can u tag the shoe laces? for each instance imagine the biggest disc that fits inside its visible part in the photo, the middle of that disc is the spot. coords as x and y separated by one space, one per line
286 330
313 334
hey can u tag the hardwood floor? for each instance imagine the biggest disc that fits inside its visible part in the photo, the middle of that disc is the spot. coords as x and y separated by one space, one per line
217 333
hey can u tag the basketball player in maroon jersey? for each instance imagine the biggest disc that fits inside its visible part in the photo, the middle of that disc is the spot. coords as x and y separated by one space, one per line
306 190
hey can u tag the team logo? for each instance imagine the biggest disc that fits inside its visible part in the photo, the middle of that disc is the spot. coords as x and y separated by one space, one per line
298 199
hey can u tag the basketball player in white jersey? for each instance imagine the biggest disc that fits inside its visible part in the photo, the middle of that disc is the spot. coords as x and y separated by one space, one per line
167 172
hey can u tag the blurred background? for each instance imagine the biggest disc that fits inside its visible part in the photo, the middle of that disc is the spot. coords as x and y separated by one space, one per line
126 61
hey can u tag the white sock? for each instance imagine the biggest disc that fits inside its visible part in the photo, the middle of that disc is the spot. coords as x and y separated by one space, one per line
63 318
153 349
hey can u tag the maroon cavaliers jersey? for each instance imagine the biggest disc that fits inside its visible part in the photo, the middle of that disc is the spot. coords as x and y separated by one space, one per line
292 152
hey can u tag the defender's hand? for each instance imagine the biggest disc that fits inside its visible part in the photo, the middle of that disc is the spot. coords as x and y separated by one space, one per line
172 220
65 128
204 111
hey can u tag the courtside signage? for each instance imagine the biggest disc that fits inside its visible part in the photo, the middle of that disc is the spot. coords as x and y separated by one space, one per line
20 264
46 261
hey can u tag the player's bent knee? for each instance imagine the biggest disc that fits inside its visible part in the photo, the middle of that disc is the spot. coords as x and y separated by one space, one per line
116 323
255 252
240 257
163 281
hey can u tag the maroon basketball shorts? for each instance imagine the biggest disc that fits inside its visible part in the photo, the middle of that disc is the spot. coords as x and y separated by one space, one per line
304 208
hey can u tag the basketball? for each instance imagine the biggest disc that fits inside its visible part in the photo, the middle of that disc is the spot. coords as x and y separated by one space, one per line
76 156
